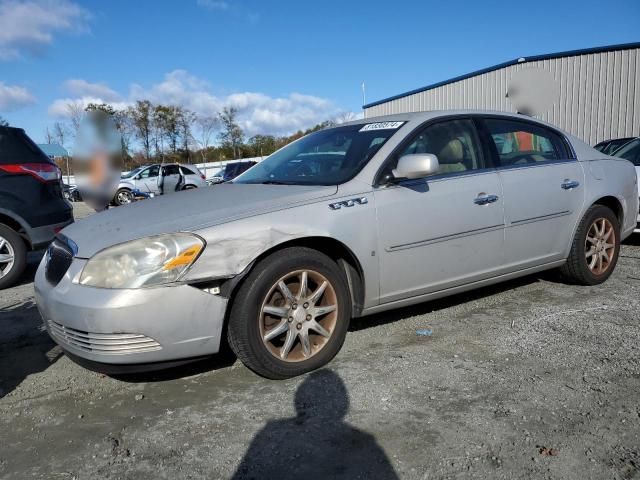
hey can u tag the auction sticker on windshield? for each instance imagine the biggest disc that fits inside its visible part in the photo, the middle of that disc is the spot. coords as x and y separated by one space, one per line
381 126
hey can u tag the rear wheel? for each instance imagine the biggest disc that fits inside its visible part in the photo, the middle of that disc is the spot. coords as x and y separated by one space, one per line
291 314
595 248
123 197
13 256
189 187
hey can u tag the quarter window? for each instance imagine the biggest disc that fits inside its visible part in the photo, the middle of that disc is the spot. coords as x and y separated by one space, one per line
455 144
521 143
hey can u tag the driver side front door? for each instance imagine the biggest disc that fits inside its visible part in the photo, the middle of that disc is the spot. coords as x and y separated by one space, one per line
444 230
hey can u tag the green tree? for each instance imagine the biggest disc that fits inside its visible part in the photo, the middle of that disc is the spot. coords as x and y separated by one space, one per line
262 145
231 135
141 115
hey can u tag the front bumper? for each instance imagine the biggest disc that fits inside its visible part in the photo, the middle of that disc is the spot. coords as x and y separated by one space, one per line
129 326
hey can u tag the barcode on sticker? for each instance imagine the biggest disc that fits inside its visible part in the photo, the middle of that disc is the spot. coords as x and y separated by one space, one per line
381 126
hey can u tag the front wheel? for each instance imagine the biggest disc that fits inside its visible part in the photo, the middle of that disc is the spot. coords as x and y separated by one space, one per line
123 196
291 314
595 248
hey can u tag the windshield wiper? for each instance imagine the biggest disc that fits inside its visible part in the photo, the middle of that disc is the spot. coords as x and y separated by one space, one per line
275 182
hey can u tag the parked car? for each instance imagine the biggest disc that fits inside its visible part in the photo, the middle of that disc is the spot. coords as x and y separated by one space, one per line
32 207
71 193
349 221
631 151
145 179
215 179
232 170
610 146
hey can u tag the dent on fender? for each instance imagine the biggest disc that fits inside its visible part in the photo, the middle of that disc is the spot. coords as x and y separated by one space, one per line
228 256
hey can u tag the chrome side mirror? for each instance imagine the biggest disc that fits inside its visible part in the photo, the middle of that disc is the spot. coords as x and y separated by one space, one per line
416 165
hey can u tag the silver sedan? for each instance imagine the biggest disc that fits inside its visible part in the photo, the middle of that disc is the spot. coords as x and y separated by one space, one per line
346 222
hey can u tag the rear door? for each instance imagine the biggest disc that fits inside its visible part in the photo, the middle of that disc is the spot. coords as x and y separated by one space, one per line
543 186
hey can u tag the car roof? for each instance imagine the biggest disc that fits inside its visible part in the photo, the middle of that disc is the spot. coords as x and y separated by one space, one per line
430 114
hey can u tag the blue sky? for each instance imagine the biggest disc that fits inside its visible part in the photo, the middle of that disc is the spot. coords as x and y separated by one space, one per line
284 64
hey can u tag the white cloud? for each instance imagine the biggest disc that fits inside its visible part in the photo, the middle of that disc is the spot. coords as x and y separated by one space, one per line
80 88
257 112
213 4
13 97
29 26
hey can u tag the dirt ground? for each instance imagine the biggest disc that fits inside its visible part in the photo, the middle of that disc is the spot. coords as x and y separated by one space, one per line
528 379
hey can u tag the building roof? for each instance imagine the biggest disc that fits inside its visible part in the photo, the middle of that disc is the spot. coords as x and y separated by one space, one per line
53 150
568 53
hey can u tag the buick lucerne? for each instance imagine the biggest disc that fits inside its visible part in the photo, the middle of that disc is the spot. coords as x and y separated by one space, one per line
348 221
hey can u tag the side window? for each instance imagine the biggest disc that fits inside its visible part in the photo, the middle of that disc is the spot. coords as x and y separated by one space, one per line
186 171
149 172
522 143
455 144
171 170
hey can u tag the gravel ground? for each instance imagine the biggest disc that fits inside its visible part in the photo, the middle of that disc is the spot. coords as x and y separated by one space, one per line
528 379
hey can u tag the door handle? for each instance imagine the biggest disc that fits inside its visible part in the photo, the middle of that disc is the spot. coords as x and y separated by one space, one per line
485 199
570 184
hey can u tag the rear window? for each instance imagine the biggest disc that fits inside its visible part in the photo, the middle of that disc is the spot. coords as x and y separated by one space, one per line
17 147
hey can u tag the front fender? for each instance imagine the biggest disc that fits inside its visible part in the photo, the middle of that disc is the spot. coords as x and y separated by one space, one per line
233 246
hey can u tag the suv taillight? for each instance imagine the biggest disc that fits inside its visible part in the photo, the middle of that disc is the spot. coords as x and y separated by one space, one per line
43 172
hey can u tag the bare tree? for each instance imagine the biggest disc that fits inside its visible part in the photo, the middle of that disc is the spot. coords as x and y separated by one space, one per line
205 128
344 117
76 112
48 136
60 133
3 122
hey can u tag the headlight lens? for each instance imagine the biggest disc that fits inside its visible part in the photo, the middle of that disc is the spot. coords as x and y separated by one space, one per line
142 263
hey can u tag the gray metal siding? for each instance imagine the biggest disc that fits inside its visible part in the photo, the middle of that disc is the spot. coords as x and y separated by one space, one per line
599 94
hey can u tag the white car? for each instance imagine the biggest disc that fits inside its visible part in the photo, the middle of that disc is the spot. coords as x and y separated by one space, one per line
145 179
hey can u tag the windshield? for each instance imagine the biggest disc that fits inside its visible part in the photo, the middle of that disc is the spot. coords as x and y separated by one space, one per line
327 157
630 151
132 173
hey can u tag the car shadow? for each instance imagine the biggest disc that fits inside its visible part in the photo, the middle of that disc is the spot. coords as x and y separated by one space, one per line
429 306
633 240
25 346
33 260
224 359
317 442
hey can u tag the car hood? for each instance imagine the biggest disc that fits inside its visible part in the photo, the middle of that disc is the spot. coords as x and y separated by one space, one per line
186 211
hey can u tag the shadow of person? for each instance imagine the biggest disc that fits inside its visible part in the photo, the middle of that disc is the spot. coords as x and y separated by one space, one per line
316 443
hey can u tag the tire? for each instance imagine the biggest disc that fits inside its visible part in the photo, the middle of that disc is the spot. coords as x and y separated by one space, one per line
577 269
11 244
124 196
249 324
189 187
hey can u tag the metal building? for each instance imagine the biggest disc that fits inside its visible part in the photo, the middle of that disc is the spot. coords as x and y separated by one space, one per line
599 91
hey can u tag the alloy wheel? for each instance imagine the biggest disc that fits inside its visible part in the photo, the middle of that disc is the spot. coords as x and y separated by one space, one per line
298 315
600 246
125 197
7 257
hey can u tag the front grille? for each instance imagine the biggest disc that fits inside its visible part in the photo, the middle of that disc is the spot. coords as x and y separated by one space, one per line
104 343
59 257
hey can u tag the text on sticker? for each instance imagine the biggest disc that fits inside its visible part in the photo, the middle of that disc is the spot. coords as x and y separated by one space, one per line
381 126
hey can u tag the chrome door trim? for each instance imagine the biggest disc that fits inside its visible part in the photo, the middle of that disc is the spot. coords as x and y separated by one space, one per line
539 218
549 163
430 241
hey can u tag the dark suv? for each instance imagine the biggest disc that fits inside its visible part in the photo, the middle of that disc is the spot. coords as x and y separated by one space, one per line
32 208
232 170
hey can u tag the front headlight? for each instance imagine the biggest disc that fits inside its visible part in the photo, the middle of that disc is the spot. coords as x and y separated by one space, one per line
142 263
